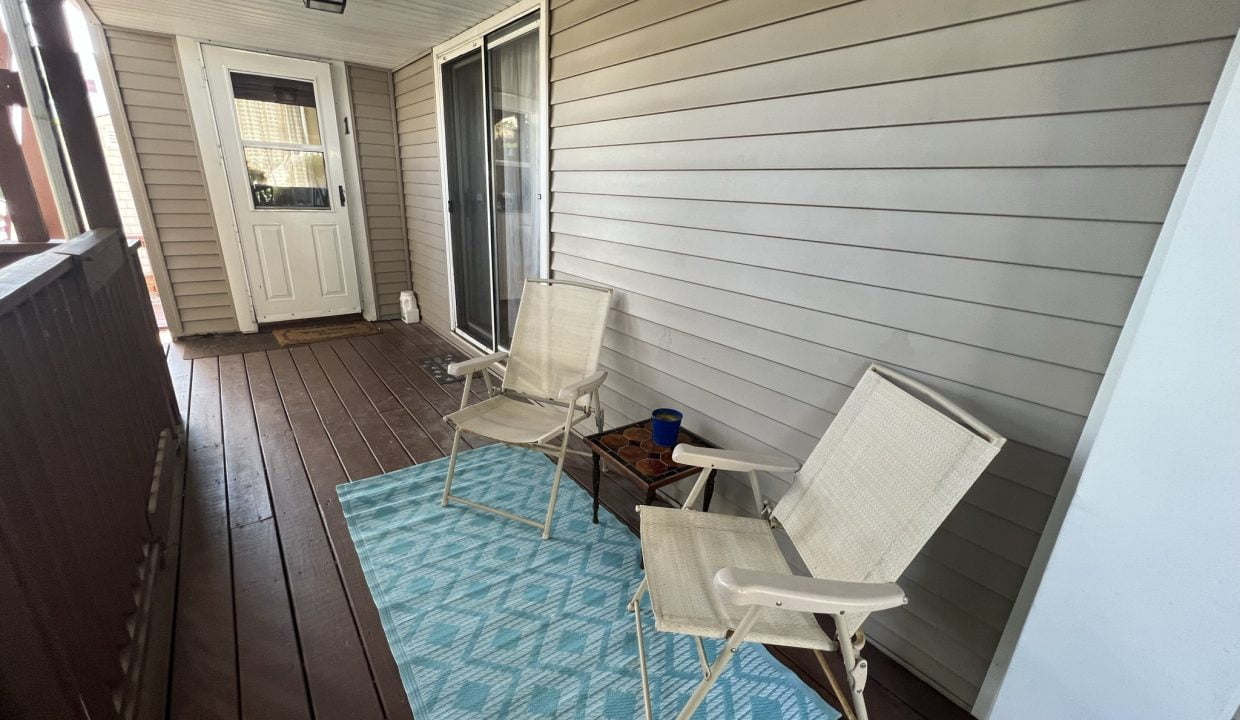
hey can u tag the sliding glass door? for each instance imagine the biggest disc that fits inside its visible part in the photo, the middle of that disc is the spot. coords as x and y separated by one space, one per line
493 112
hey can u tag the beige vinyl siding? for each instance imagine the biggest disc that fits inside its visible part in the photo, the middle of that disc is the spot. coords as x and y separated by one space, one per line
784 192
417 137
153 97
374 129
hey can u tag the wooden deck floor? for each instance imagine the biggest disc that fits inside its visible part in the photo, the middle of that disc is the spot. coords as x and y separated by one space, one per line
273 618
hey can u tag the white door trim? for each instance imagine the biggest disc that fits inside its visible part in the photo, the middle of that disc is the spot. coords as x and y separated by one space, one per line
447 51
206 132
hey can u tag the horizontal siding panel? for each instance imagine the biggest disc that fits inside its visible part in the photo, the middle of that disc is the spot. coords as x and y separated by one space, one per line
166 116
622 20
203 327
185 275
715 20
198 207
1128 193
206 287
977 325
156 131
157 161
1077 295
147 66
164 146
1099 26
223 313
196 241
125 47
1113 248
190 262
208 300
150 83
184 220
176 192
978 367
764 41
1154 136
1171 75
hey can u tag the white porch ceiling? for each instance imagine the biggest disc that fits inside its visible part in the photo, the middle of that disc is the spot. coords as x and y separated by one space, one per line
387 33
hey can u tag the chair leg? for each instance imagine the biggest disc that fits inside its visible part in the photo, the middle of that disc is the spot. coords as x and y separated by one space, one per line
635 607
720 664
447 485
857 669
555 486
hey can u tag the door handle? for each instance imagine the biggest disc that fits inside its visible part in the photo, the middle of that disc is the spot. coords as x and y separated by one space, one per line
341 189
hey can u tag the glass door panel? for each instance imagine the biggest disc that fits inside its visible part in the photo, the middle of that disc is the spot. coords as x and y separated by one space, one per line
493 130
468 193
516 117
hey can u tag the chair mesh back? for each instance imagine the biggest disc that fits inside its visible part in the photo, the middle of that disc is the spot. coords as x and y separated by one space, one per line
558 336
879 483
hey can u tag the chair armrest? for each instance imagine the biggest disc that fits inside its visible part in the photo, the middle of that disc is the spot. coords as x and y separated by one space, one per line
583 386
806 594
739 460
473 365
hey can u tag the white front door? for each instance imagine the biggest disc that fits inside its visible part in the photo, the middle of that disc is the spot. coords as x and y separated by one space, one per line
276 118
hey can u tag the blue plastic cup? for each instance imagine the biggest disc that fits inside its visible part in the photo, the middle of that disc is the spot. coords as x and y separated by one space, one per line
665 426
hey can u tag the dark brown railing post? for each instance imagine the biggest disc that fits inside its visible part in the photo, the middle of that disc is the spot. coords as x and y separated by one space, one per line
77 121
15 182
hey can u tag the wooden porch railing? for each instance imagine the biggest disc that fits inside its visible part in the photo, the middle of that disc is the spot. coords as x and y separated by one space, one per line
90 456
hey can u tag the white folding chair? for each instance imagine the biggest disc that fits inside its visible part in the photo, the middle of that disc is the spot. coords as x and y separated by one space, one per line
893 463
550 384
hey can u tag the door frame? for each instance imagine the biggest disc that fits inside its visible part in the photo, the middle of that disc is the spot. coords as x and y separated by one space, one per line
445 52
206 131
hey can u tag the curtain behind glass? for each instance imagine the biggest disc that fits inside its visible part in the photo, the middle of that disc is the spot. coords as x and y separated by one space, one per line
516 123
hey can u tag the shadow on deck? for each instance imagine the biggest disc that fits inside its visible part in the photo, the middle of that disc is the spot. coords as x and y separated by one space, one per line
273 618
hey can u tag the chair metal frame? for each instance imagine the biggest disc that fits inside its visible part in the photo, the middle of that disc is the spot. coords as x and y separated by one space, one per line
569 398
756 590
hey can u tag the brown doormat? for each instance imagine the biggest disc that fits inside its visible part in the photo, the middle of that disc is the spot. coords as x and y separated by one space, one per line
230 344
315 333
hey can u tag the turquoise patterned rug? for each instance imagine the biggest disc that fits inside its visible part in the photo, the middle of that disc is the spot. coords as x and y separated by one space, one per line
486 620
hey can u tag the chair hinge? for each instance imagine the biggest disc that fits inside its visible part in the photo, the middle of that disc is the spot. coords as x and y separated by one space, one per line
858 675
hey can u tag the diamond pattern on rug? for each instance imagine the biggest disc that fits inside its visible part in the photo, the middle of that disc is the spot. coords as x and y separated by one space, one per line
486 620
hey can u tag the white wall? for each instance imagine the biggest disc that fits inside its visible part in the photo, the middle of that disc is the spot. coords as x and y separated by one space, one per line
1138 611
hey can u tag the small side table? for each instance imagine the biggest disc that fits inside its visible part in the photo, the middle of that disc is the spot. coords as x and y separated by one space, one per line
629 451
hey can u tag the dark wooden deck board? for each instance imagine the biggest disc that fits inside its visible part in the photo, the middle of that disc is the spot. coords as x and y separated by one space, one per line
204 659
305 639
268 657
302 436
404 426
351 448
336 667
382 441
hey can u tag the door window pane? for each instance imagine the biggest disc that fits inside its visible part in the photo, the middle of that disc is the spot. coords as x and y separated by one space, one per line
275 110
515 173
286 178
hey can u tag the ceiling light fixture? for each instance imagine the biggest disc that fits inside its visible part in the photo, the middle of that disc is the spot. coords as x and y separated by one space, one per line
331 6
